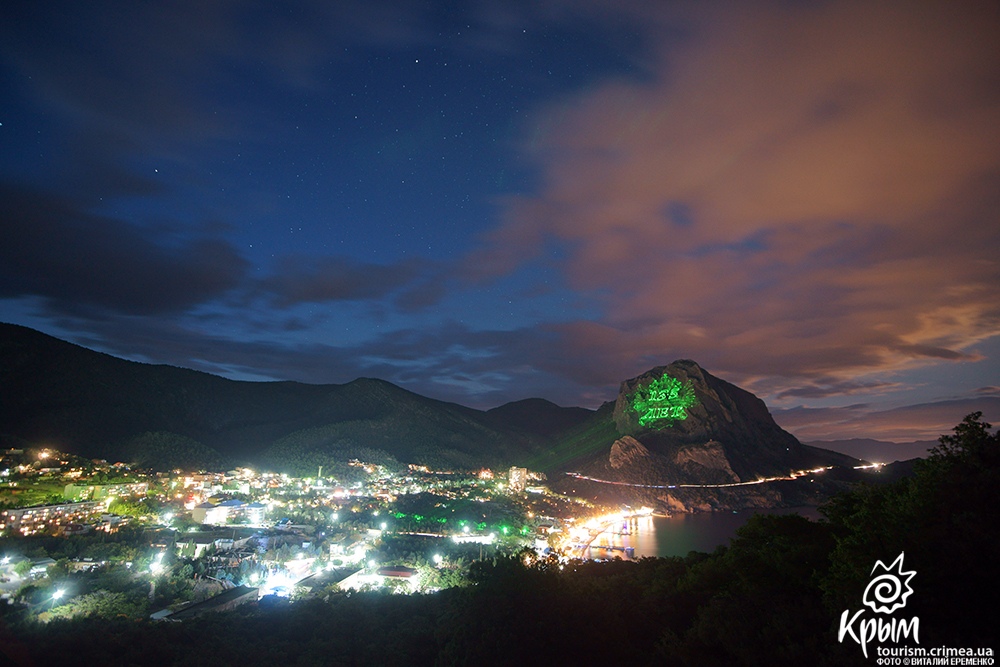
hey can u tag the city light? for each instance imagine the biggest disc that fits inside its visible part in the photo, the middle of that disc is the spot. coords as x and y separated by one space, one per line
157 565
279 583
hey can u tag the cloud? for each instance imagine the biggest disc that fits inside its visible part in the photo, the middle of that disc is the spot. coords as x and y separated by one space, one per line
828 388
451 362
805 191
55 248
298 280
925 421
801 196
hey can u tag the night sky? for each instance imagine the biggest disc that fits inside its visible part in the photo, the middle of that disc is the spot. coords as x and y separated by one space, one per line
489 201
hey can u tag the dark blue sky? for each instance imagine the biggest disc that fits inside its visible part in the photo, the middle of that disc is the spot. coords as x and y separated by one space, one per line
489 201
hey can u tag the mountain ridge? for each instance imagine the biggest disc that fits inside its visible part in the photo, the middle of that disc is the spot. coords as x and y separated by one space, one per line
84 401
90 403
871 449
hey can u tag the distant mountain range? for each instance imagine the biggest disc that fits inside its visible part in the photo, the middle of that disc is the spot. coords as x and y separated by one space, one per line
85 402
921 422
878 450
676 423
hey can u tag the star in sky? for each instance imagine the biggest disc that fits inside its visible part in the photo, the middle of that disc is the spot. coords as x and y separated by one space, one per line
484 202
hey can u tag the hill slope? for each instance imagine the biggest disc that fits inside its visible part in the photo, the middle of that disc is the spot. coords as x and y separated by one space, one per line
679 425
675 424
93 404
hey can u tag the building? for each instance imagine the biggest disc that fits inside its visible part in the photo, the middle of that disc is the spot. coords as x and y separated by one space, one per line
255 513
397 572
228 511
47 518
101 491
406 578
348 549
210 514
224 601
518 479
41 566
194 545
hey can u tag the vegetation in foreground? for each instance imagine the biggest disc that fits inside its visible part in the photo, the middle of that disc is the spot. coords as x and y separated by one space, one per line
774 596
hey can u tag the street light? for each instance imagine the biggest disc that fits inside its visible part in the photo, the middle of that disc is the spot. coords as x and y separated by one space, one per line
157 565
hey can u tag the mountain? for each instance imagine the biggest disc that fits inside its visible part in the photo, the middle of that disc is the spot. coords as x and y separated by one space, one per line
877 450
911 423
536 415
94 404
677 425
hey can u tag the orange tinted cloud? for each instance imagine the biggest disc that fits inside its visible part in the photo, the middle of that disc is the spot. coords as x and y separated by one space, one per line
806 192
916 422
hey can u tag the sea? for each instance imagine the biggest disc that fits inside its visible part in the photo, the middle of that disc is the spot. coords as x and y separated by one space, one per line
680 534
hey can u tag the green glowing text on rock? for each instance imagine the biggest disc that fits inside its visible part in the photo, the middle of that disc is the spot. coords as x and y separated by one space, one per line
663 401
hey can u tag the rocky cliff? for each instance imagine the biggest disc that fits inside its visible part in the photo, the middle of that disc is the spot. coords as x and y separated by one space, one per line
678 425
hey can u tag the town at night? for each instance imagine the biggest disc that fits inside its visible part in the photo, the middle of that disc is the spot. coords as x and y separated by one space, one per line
447 333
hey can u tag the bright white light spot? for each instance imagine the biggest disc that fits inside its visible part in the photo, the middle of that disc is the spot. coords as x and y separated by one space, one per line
279 583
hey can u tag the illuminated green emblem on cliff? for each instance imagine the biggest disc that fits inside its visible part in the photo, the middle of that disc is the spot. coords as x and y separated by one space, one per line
663 401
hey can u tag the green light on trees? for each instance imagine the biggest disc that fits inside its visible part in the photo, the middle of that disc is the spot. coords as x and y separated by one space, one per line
663 401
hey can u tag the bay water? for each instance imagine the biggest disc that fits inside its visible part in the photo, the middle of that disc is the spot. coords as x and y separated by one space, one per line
680 534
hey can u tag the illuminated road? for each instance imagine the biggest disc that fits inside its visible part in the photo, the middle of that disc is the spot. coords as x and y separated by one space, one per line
764 480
